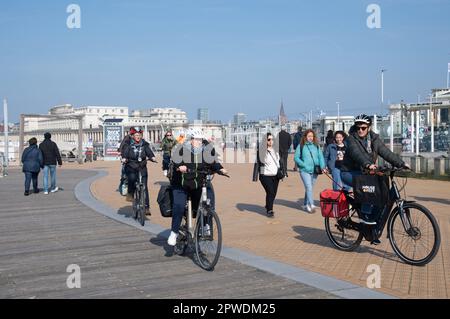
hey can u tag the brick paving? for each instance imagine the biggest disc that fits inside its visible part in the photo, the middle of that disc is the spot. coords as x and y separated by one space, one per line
298 238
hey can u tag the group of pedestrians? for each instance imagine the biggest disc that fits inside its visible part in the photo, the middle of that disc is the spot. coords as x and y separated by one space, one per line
343 156
43 157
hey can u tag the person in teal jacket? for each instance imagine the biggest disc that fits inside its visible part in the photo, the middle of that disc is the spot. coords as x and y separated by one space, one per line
307 156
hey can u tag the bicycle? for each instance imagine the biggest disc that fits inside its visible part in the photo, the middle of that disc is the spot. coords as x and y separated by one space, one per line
206 238
402 218
139 201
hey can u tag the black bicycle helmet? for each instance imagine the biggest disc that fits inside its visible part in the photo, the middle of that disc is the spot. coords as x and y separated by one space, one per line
363 119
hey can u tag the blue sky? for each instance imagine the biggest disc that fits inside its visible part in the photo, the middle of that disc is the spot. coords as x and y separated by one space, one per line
228 55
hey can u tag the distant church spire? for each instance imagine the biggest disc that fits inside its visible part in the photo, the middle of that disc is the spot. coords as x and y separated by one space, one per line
282 119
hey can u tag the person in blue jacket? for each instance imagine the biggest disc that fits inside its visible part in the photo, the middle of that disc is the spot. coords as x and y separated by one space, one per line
334 157
32 161
310 162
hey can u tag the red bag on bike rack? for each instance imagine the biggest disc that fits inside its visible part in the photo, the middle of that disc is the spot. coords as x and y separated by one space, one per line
333 204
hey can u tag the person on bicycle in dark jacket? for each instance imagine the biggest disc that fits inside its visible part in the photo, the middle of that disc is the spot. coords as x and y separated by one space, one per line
363 147
167 145
187 160
134 156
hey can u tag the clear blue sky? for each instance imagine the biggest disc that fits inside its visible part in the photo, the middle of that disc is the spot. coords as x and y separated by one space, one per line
228 55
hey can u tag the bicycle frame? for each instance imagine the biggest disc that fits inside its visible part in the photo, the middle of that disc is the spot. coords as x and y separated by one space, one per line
388 210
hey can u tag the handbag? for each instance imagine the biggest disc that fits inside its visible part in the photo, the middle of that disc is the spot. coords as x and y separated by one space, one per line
317 170
256 171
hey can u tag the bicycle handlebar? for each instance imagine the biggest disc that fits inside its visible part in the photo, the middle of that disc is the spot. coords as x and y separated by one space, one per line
386 170
207 172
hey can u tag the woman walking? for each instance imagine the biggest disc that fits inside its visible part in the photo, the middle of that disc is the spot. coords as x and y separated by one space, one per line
32 161
270 172
334 157
310 161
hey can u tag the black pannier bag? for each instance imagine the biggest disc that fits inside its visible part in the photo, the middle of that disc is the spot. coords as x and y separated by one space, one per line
165 200
371 189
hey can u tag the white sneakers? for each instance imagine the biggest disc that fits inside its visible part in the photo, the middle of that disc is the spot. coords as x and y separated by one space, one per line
307 208
46 193
54 190
172 241
165 173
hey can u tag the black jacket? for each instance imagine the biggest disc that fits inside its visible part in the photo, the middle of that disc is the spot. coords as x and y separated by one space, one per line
357 158
284 140
183 155
50 152
126 140
133 152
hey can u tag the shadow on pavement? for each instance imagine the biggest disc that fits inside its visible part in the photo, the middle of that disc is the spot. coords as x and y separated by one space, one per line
294 205
161 241
251 208
126 211
319 237
431 199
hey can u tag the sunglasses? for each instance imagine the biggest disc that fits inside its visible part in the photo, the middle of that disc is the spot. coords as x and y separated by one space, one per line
362 128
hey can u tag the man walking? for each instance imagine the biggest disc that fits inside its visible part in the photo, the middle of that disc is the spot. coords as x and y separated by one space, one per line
285 142
296 142
51 155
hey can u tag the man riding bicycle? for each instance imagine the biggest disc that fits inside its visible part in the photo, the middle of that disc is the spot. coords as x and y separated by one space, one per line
187 160
134 155
362 149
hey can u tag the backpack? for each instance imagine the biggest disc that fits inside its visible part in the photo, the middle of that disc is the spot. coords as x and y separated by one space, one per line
165 200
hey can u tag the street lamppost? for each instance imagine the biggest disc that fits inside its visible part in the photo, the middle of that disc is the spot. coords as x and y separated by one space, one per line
338 116
382 89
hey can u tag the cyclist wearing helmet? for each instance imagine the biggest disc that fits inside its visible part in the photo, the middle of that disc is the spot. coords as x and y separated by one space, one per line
134 155
187 158
362 149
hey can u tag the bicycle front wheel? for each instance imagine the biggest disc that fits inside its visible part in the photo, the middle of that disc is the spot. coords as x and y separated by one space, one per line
208 239
142 206
417 238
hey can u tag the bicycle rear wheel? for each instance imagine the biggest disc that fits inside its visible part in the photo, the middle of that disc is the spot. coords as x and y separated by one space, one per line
208 239
341 233
417 243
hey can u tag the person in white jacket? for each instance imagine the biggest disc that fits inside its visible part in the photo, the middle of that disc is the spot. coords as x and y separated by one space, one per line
269 165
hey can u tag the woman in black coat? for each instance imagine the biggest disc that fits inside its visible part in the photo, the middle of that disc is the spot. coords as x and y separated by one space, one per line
32 161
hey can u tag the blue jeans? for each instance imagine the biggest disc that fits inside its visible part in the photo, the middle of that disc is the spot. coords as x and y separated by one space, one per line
337 180
180 197
31 176
52 169
309 180
347 178
166 162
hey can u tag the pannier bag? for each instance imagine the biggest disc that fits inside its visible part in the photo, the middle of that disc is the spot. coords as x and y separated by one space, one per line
371 189
165 200
333 204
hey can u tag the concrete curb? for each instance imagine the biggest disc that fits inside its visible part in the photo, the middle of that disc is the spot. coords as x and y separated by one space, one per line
329 284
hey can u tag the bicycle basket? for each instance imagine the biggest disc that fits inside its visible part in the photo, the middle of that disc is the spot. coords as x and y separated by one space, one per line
333 204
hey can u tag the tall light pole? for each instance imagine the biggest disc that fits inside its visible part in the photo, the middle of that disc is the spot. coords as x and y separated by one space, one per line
432 123
5 130
382 89
338 116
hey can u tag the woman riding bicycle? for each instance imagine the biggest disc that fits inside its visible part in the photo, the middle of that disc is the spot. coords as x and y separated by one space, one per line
134 155
362 149
188 159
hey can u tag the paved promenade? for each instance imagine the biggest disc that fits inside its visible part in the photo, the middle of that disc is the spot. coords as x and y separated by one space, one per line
41 235
299 239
